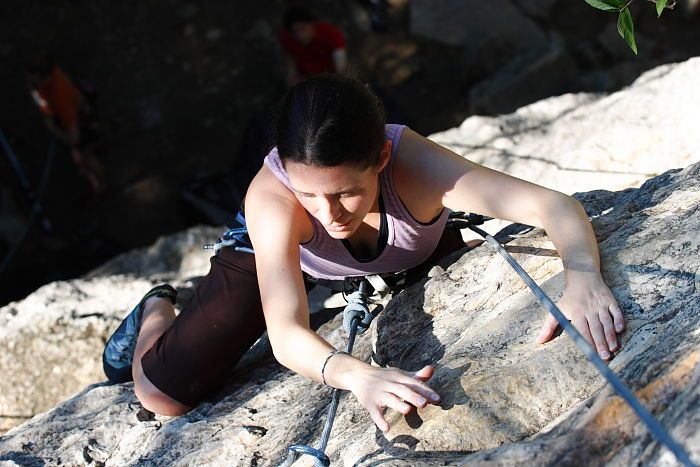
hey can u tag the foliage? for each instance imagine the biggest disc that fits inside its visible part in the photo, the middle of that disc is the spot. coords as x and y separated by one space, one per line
625 25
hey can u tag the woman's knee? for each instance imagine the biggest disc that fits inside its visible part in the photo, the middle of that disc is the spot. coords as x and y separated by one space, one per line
156 400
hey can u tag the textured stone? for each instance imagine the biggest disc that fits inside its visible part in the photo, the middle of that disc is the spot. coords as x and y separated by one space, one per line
490 33
51 342
505 399
581 142
527 78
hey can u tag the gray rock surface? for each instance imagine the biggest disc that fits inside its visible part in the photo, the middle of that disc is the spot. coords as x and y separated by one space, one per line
506 400
527 78
490 32
50 343
580 142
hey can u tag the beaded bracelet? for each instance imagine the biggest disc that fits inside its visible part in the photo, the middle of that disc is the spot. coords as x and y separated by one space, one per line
323 368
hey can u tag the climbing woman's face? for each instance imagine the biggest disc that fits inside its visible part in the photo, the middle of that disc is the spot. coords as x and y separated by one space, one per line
338 197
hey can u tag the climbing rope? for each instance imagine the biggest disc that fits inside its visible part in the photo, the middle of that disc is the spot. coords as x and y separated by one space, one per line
356 319
652 424
36 207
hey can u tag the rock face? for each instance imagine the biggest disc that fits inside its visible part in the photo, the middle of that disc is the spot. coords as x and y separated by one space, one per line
51 341
524 79
489 32
580 142
477 24
506 400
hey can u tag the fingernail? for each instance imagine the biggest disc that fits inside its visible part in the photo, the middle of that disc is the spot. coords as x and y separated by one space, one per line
618 327
605 354
613 348
421 401
434 397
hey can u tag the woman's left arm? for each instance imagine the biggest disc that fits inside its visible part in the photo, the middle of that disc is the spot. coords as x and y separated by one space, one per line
447 179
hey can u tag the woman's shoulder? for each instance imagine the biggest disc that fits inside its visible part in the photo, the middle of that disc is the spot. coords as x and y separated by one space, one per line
408 147
271 204
412 175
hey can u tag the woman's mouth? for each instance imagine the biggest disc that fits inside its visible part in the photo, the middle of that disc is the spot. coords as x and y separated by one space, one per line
336 227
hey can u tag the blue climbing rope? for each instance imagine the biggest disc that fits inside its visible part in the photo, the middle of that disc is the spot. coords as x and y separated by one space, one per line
652 424
356 320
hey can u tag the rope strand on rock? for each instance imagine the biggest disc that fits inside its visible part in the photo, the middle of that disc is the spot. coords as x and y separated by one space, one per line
652 424
356 319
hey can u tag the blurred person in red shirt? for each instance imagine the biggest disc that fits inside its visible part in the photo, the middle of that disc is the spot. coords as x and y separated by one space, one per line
65 111
312 46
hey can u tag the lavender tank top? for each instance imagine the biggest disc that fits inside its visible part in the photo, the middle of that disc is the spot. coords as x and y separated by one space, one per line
409 242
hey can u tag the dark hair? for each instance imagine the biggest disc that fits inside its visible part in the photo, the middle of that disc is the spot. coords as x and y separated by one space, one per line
297 14
329 120
40 64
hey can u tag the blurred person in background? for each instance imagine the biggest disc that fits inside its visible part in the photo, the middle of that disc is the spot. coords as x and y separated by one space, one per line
312 46
66 112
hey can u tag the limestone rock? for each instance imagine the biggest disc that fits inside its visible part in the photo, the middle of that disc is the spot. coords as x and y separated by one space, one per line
527 78
506 400
51 342
581 142
489 32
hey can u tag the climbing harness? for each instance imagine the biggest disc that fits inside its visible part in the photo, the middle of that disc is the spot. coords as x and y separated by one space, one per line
235 237
35 198
356 320
652 424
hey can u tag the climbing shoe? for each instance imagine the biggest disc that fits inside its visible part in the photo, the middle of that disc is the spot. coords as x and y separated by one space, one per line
119 349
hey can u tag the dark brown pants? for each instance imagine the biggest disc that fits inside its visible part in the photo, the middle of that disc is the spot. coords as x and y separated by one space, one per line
193 358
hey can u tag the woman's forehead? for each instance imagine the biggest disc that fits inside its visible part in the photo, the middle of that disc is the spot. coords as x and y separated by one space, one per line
329 180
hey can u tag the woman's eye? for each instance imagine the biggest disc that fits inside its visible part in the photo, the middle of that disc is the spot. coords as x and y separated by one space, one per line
348 195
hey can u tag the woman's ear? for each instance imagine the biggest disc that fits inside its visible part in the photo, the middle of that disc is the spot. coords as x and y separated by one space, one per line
384 156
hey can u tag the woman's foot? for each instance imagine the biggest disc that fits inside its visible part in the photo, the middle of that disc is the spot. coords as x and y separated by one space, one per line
118 354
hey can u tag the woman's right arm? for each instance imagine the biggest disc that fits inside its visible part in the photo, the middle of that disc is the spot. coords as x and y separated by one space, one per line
277 224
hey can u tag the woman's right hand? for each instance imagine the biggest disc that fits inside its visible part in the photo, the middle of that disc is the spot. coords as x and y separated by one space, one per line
378 388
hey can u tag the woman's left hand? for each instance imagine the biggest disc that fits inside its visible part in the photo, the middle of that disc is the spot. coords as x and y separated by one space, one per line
592 309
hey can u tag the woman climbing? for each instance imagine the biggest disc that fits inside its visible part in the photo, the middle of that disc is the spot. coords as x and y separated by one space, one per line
343 194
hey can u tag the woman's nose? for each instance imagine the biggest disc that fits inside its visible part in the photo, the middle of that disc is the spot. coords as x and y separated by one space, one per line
329 211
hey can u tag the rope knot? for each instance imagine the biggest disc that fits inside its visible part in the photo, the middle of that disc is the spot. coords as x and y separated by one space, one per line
357 309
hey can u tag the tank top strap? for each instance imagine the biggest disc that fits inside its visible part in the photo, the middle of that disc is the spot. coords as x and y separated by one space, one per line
274 163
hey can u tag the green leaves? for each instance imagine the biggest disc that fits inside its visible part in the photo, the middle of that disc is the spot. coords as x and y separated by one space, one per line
625 27
660 5
607 5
